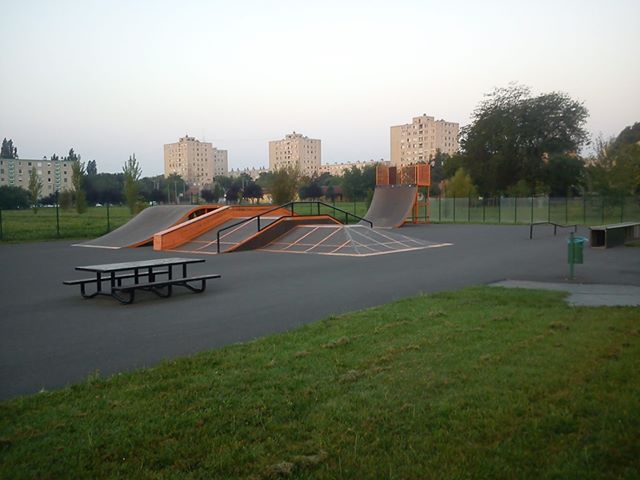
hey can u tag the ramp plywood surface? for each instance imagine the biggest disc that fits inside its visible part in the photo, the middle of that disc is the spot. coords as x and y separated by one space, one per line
391 205
141 228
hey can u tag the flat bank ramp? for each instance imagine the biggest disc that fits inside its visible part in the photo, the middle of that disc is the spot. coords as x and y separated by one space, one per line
391 205
141 228
346 240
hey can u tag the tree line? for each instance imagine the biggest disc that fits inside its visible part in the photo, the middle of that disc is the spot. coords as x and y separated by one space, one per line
517 144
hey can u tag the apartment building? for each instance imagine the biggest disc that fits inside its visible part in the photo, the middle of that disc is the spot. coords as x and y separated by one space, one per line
195 161
338 169
55 175
295 150
253 172
419 140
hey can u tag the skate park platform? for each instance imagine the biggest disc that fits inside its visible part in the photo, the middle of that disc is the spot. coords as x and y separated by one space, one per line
346 240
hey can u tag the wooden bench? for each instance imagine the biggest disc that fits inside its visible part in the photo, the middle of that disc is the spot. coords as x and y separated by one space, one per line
607 236
157 286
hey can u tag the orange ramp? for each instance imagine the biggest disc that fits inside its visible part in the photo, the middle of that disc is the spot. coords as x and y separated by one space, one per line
186 232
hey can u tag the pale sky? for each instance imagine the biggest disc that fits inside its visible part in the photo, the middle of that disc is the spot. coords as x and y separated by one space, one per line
112 78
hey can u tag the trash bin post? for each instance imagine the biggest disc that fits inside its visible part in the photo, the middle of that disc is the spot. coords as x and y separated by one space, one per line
575 252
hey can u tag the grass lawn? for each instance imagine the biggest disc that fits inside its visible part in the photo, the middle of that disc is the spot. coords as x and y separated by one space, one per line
24 225
481 383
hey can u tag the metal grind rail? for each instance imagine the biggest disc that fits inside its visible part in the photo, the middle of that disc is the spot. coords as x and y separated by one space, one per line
555 227
291 206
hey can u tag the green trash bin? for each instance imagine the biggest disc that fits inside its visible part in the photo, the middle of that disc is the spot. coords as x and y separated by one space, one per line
576 249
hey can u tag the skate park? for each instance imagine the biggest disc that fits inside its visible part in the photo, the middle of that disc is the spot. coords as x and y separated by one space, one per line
53 337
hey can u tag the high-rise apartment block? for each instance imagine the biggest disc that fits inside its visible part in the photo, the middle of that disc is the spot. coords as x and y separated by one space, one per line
338 169
54 175
295 150
195 161
419 140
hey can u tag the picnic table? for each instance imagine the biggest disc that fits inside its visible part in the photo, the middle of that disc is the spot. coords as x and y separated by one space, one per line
121 280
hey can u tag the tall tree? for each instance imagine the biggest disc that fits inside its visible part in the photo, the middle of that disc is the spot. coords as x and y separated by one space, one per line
77 180
565 175
284 184
615 167
8 150
460 185
252 191
175 186
92 168
73 157
35 188
132 173
13 197
511 131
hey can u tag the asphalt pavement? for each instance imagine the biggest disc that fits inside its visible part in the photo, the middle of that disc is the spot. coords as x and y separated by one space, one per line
51 337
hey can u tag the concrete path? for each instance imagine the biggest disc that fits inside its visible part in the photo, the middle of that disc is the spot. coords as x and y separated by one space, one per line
592 295
50 336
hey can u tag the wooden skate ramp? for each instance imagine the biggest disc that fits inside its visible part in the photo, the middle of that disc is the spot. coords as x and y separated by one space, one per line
201 230
391 205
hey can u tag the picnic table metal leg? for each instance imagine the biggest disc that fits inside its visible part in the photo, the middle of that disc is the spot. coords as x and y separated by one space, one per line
203 285
129 298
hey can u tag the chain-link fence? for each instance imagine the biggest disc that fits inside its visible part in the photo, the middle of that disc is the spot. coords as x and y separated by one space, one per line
592 210
51 223
54 222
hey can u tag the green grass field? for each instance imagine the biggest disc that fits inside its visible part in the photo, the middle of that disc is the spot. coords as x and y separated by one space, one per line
481 383
24 225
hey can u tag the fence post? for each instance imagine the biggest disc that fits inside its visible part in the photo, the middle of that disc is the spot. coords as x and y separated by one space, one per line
515 210
621 209
499 210
1 224
469 209
566 209
531 208
454 209
108 219
57 214
549 208
440 208
484 210
584 209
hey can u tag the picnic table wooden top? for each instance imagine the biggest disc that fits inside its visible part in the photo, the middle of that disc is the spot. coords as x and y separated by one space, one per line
158 262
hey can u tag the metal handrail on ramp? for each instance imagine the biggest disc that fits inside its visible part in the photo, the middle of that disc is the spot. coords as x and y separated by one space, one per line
291 205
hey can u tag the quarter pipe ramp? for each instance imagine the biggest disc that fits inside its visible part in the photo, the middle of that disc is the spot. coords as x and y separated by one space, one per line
391 205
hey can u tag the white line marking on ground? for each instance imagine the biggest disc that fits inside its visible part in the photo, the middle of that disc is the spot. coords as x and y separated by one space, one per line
302 238
336 230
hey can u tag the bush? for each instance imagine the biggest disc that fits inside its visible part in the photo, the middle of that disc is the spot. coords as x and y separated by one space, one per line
14 197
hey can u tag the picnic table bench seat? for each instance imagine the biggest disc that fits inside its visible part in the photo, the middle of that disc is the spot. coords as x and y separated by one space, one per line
157 285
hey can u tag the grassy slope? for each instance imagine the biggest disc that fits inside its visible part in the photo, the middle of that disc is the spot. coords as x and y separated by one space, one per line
482 383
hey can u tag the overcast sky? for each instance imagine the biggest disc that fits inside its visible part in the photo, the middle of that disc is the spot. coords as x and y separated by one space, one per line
110 78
